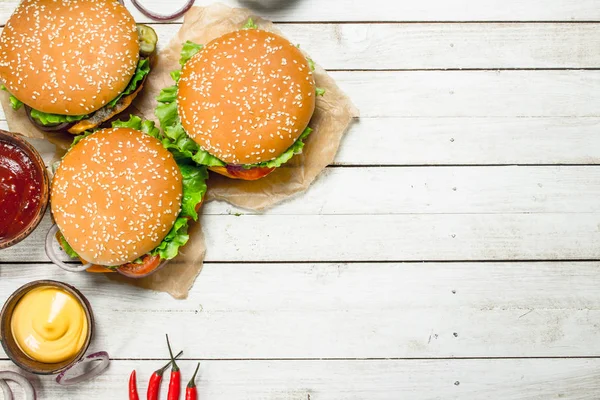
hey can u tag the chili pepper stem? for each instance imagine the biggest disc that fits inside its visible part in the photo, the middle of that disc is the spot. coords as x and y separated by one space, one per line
175 367
161 371
192 382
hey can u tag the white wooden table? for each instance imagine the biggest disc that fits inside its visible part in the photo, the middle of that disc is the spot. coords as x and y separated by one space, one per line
451 252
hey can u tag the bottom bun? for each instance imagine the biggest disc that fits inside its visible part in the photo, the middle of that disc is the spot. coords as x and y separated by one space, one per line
99 269
236 172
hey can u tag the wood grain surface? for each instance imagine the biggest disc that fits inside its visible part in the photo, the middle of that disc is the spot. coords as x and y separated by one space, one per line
451 251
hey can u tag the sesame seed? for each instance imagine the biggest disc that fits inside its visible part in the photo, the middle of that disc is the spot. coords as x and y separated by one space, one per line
253 96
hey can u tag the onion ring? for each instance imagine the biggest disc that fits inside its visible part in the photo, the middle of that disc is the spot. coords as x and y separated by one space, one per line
54 257
6 390
161 17
72 375
21 380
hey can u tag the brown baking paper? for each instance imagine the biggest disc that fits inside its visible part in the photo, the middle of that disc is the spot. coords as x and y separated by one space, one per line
333 115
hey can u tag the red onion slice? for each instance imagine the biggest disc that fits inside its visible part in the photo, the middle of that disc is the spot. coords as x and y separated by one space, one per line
21 381
6 390
90 367
160 17
49 247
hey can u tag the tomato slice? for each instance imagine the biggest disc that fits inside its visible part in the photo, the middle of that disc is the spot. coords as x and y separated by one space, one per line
133 270
236 172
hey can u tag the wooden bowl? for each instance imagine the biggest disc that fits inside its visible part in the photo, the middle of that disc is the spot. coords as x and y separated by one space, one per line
34 156
12 348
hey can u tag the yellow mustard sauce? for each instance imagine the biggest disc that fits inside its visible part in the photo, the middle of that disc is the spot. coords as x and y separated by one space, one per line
49 325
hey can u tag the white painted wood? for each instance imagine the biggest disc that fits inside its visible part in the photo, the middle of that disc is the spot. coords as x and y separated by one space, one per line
480 140
393 237
435 94
445 46
348 310
571 379
403 237
441 46
467 141
384 10
294 315
443 190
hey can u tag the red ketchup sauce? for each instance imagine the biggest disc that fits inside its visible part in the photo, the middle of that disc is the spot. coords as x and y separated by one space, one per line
21 183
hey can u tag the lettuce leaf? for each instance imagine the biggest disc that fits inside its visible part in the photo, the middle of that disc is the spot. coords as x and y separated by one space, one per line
250 24
143 69
188 51
15 103
54 119
319 91
79 138
286 156
174 136
66 246
135 122
194 189
176 238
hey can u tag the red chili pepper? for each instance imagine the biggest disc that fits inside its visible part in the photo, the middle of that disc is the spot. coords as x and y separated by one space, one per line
156 379
175 383
191 393
133 393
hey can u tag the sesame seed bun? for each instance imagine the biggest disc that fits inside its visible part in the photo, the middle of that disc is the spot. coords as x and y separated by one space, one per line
68 57
246 97
116 195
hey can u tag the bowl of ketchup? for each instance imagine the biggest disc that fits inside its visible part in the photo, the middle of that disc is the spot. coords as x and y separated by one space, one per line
24 189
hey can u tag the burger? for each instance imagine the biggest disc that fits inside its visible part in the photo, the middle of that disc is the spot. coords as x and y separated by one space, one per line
74 64
122 202
241 104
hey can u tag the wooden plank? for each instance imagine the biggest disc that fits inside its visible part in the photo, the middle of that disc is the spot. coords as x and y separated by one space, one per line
384 10
479 140
458 201
446 190
574 379
441 46
447 46
471 93
406 310
400 237
468 141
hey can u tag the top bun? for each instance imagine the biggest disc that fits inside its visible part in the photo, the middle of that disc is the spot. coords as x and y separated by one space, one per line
247 96
116 195
68 57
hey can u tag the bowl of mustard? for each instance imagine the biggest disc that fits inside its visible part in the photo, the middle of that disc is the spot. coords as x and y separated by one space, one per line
46 326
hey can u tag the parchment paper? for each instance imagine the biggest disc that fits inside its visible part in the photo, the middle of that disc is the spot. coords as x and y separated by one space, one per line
333 115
